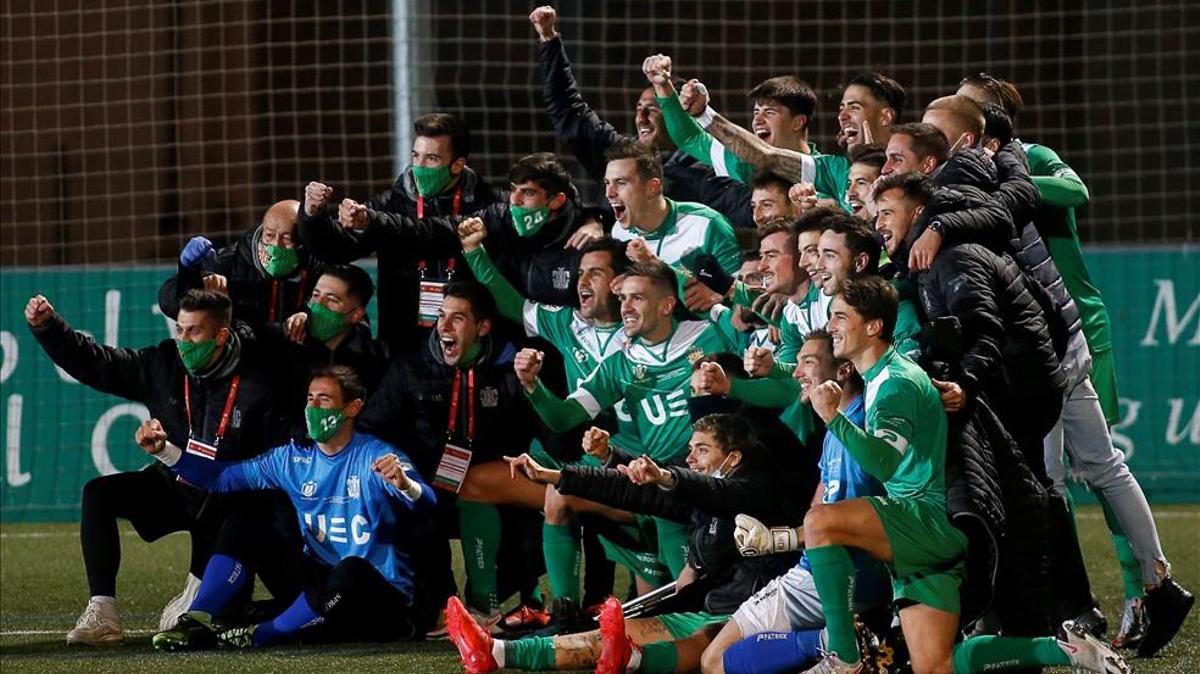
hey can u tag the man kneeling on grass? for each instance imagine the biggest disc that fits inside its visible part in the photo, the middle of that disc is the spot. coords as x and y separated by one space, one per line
355 497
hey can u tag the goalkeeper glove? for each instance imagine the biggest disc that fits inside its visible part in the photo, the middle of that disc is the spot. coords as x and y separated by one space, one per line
755 539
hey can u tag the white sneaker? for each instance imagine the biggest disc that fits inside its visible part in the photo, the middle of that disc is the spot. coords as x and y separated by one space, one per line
179 605
832 664
1088 652
490 622
98 625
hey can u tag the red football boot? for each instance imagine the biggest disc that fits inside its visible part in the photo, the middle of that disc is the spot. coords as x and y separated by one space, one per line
615 647
473 642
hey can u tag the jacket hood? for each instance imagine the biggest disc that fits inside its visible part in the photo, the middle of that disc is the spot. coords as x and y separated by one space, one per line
248 250
493 353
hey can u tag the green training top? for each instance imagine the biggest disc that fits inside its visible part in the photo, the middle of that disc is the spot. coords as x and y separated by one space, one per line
904 444
829 174
1062 191
654 380
689 230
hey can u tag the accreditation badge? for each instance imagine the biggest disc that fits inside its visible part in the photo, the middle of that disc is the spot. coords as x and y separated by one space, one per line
201 449
429 302
452 469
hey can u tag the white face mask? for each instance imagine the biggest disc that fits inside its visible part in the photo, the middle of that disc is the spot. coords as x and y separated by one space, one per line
719 472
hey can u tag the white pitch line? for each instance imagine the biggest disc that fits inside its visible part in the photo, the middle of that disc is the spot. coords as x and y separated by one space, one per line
51 534
40 633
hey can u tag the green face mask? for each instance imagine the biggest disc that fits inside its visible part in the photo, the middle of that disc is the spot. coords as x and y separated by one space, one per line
323 322
196 355
431 181
322 422
527 221
281 261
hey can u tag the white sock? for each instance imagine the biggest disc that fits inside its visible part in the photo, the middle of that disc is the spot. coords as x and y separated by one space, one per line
498 653
635 659
104 599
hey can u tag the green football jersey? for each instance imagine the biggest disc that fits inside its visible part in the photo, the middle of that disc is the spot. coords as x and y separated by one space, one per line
689 230
799 320
655 381
905 411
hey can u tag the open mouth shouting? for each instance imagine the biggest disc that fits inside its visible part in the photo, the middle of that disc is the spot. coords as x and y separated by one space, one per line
451 349
587 298
620 212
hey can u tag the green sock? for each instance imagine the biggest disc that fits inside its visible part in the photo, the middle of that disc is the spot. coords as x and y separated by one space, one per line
833 574
659 657
989 653
531 653
672 544
1131 571
479 530
561 546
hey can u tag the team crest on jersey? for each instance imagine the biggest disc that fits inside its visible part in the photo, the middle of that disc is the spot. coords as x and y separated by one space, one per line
695 354
489 396
352 487
580 355
561 278
308 488
639 372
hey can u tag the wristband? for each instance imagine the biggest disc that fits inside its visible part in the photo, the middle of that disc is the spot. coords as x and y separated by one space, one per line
170 455
706 118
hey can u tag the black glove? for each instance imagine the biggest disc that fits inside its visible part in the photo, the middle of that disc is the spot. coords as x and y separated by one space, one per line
710 273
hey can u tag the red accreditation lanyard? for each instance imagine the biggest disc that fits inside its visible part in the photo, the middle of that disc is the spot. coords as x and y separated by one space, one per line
271 312
455 392
225 415
455 206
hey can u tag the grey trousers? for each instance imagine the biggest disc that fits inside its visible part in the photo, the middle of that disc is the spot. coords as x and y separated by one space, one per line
1083 433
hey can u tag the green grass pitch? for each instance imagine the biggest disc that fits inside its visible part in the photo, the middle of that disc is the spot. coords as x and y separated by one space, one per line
42 590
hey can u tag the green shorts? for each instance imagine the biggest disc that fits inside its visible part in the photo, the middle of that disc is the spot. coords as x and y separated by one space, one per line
1104 380
927 551
641 555
681 625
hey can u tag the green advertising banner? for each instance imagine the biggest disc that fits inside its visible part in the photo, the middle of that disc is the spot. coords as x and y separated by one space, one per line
58 434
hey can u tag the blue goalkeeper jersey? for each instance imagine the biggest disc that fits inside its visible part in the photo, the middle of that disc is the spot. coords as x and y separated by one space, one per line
345 508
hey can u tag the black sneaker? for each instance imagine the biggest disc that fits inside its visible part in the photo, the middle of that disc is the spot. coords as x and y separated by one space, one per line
193 632
1093 622
1166 607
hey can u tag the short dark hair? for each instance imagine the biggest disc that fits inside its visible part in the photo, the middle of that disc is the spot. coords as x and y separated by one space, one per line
732 431
792 92
860 238
813 220
483 305
883 88
997 123
965 111
441 124
216 304
916 186
544 169
614 248
823 335
767 179
870 154
927 140
358 282
659 273
774 225
347 379
648 164
730 362
1005 92
751 256
873 298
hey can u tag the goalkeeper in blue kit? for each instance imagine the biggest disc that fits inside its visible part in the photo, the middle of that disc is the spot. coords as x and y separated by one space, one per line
355 497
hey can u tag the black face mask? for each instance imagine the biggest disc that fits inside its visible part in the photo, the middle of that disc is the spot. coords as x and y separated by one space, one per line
702 406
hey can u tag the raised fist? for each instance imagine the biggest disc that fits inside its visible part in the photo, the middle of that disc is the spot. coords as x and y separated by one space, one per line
38 310
545 22
316 195
150 436
637 251
471 233
694 97
657 69
758 361
825 398
352 215
595 443
391 470
528 365
194 251
803 196
712 380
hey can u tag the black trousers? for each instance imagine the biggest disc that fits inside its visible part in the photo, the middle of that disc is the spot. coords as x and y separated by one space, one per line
156 505
357 602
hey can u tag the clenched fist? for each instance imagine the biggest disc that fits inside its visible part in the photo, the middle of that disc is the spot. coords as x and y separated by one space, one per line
825 398
711 380
693 96
352 215
316 195
471 233
545 22
150 436
657 69
758 361
38 310
595 443
528 365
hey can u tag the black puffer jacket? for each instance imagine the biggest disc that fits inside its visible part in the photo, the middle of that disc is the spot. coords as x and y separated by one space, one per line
257 297
1006 178
154 376
709 505
685 178
401 258
411 407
